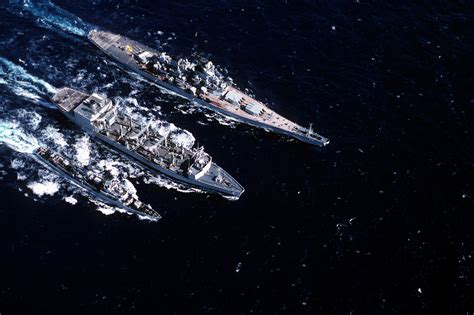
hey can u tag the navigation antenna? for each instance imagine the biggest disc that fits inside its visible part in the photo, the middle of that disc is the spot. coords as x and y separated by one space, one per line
201 149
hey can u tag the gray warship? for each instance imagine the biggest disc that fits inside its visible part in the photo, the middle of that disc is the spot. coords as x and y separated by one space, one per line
201 82
112 191
145 143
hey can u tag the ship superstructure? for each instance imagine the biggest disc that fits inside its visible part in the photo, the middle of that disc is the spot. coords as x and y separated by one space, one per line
201 82
142 141
110 190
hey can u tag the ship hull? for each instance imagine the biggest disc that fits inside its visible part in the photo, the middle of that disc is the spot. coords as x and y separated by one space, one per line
100 195
155 168
129 66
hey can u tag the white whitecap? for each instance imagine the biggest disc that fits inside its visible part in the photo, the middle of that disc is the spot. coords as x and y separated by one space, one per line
43 188
70 199
55 135
83 152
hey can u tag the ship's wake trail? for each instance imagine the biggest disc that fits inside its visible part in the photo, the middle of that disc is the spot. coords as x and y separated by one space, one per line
51 16
17 79
14 137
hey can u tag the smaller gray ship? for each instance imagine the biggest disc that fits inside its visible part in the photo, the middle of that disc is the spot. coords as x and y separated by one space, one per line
112 191
143 141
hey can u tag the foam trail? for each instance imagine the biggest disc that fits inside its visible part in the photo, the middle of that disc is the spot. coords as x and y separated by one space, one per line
14 137
11 71
52 16
22 83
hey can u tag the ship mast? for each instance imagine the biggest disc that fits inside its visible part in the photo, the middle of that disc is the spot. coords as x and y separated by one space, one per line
310 129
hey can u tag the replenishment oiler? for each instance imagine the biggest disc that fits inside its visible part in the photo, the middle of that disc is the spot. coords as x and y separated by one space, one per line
112 191
201 82
144 142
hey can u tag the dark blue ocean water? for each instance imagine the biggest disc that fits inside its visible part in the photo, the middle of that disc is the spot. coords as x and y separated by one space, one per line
379 221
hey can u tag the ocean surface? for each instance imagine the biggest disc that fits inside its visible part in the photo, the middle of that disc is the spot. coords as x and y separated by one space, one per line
378 222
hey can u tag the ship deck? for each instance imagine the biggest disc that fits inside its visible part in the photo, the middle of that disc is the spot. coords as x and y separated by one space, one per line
150 146
268 117
67 99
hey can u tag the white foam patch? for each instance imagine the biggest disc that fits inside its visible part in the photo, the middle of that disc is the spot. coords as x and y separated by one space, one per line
83 151
107 210
230 198
128 104
44 188
132 100
70 199
17 164
14 137
222 120
53 134
145 218
32 119
169 184
189 108
20 91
